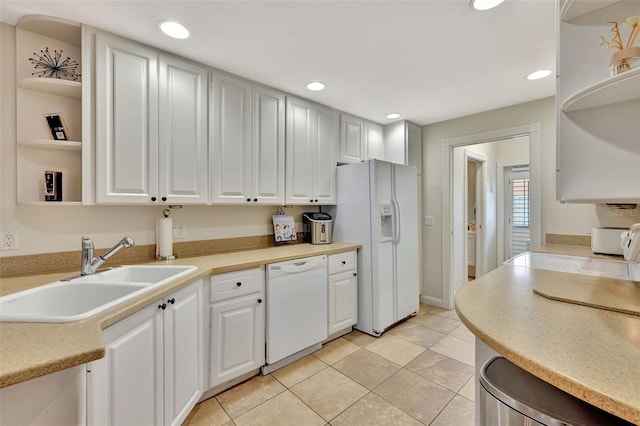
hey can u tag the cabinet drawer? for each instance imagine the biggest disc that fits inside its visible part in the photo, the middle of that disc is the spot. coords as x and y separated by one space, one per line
237 283
342 262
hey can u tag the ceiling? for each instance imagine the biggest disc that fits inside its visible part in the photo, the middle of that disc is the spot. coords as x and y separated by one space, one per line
428 60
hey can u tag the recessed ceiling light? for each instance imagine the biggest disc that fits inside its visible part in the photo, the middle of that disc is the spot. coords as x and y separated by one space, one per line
316 86
537 75
392 115
174 29
485 4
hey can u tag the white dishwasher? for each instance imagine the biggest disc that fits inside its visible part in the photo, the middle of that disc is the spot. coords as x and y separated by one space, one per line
296 309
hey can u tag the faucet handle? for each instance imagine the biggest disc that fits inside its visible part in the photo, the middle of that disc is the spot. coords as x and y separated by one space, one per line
86 243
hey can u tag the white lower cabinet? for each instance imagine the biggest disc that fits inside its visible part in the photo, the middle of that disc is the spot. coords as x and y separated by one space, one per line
55 399
152 370
343 292
237 315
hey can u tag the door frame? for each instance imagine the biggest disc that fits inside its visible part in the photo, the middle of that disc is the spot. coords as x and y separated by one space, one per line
533 131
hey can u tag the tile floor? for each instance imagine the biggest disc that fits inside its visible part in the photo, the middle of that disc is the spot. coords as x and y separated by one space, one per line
418 373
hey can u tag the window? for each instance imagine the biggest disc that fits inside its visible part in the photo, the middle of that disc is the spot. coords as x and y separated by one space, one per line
520 202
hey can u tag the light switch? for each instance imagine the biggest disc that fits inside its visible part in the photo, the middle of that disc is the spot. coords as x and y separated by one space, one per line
428 220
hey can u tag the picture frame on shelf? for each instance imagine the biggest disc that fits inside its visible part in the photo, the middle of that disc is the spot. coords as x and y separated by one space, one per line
57 126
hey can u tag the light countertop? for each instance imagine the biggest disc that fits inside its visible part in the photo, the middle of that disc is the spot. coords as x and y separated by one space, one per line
30 350
591 353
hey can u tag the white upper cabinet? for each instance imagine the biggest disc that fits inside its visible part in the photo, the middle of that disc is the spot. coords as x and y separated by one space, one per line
360 140
352 139
183 131
247 155
134 163
373 139
597 144
311 138
403 144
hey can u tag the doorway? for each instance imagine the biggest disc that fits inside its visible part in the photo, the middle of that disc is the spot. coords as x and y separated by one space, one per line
455 239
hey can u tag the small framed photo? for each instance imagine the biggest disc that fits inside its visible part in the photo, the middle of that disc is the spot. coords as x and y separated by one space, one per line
284 229
57 126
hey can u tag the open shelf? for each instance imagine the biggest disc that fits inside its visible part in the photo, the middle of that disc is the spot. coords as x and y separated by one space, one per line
572 9
54 86
621 88
73 146
50 26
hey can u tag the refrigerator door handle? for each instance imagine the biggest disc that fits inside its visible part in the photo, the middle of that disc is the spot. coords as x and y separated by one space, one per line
396 221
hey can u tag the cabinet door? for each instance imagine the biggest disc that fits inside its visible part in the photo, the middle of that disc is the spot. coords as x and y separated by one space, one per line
268 146
183 352
126 121
231 140
325 156
125 387
343 301
300 143
237 337
183 132
352 147
374 141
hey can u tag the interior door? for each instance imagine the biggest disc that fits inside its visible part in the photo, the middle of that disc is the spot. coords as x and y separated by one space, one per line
406 250
517 238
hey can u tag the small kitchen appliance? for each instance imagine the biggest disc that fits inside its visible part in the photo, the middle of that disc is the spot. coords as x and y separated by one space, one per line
630 242
317 227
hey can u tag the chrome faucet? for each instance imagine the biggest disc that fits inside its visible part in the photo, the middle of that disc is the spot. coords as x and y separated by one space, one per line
90 263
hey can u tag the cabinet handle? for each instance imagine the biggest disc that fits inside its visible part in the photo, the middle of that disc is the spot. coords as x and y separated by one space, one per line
355 275
248 200
153 198
344 262
255 200
259 300
238 283
164 198
311 201
163 306
172 300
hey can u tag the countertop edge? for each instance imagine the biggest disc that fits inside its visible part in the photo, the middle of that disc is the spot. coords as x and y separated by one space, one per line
87 344
556 378
468 305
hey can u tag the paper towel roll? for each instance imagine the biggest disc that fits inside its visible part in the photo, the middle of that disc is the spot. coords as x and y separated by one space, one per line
164 237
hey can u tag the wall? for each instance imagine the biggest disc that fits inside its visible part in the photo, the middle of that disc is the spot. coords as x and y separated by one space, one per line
556 217
48 229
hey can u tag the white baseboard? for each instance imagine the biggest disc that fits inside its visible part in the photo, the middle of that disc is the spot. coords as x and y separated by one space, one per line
432 301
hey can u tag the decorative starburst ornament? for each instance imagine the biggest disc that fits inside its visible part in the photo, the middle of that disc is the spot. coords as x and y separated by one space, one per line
49 65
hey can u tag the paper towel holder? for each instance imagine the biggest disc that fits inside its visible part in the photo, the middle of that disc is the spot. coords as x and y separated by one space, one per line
165 213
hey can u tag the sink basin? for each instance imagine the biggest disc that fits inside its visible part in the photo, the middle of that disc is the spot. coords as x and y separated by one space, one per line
64 301
82 297
142 274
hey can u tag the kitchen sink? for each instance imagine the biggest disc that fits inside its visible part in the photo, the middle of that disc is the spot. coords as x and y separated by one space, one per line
140 274
82 297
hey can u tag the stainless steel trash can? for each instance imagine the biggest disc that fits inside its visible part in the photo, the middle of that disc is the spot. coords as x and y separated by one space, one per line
510 396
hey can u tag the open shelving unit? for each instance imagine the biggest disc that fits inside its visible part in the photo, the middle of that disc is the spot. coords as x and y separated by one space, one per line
597 150
37 152
621 88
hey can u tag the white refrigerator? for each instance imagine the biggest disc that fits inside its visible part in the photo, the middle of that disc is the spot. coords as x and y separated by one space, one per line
377 206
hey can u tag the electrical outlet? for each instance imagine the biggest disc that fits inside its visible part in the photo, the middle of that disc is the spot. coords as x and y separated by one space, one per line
9 240
178 232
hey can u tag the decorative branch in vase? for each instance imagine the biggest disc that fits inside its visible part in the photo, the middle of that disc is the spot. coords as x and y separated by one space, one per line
627 56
